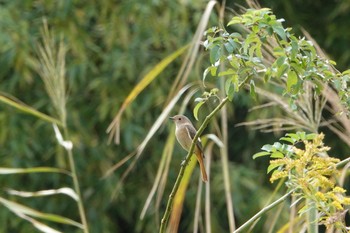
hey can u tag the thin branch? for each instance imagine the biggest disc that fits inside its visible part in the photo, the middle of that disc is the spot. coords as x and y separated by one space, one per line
263 210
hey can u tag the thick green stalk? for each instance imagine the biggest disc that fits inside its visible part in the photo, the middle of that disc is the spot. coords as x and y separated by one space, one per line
312 220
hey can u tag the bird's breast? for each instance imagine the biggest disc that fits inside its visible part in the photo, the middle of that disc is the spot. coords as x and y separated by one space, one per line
183 138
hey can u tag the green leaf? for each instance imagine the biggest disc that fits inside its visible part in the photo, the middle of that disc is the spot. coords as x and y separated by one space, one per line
272 167
311 136
229 89
346 72
294 136
196 109
301 135
280 61
292 79
278 146
279 30
258 51
260 154
282 70
267 148
267 75
252 90
212 70
215 54
295 48
235 20
277 155
227 72
255 28
229 46
288 139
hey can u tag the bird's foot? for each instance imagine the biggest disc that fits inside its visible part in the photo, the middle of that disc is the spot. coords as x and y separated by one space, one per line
183 162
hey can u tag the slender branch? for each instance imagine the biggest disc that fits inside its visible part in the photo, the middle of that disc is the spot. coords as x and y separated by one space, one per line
169 206
263 210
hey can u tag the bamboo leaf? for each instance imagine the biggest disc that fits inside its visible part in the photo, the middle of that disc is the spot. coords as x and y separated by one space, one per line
38 225
21 209
7 171
29 110
67 191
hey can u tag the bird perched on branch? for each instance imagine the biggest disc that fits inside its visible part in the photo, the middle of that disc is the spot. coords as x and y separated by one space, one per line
185 133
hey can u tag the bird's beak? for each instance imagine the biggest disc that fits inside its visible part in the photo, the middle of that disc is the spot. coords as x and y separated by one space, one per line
172 118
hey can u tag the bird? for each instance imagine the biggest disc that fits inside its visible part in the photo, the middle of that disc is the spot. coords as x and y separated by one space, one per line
185 132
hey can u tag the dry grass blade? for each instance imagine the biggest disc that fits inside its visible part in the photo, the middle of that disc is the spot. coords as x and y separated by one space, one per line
52 71
162 171
303 118
193 50
208 152
38 225
67 191
179 198
148 137
339 123
119 164
198 208
7 171
114 128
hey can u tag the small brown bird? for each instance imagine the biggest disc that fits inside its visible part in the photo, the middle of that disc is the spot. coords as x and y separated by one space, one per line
185 133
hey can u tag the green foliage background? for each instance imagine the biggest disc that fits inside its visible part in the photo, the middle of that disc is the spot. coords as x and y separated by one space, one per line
111 45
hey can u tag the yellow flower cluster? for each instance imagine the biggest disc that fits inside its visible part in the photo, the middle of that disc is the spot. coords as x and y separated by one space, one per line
310 171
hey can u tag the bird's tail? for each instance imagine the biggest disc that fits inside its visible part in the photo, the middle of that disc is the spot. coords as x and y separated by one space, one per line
200 156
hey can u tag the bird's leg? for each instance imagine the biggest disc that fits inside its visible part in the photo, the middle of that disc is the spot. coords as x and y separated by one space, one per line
183 162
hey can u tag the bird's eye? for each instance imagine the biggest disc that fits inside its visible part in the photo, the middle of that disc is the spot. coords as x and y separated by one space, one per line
180 119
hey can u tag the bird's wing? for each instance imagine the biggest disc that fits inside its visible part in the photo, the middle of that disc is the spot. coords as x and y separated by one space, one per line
191 133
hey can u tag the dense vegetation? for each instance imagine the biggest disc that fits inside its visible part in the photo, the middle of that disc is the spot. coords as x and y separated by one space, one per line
102 50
